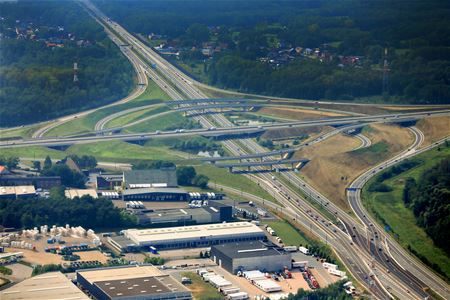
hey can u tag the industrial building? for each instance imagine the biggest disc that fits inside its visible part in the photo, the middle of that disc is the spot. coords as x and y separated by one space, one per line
39 182
215 212
17 192
73 193
131 282
107 181
155 194
52 285
156 178
187 236
255 255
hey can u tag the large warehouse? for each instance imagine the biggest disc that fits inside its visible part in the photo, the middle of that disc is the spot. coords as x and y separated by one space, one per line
155 194
245 256
131 282
187 236
216 212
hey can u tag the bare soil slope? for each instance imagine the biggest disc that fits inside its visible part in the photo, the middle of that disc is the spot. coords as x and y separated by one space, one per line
334 164
434 129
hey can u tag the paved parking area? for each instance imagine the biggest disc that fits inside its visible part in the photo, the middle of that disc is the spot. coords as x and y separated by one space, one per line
19 272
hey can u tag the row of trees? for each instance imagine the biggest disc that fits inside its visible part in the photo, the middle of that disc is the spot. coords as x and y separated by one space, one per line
37 81
429 199
85 211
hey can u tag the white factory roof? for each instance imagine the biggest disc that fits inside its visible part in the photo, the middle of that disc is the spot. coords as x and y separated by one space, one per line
120 273
72 193
140 236
53 285
17 190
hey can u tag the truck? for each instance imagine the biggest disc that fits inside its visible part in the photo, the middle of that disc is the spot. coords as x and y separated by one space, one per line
290 248
153 250
329 266
303 250
300 264
238 296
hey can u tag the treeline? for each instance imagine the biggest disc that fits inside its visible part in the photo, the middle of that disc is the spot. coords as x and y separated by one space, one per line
199 144
416 34
379 186
334 291
429 199
58 210
37 81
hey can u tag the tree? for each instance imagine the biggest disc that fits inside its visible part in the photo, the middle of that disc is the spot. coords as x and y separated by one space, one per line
201 181
37 165
47 163
68 177
12 162
185 175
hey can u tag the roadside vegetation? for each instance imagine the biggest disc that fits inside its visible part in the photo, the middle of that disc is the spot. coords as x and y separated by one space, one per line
37 56
334 291
421 182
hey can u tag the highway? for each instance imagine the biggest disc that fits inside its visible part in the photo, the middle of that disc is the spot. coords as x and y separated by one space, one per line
412 267
356 257
365 141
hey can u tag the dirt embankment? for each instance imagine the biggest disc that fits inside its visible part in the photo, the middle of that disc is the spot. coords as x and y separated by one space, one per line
334 164
297 113
434 129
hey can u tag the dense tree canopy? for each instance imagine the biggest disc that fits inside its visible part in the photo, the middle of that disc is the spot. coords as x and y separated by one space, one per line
36 77
429 199
415 33
58 210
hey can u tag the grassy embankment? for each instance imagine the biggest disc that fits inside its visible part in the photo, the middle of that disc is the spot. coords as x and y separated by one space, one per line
335 162
152 95
390 210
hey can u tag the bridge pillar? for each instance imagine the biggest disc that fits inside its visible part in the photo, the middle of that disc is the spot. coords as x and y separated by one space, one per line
230 169
248 168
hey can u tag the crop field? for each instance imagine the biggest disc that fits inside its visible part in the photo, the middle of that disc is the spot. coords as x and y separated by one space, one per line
334 163
390 210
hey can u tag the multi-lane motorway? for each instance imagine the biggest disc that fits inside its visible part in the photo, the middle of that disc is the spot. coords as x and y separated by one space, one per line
352 244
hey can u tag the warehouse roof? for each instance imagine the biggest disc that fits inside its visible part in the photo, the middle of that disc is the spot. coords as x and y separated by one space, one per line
138 286
140 236
19 190
132 281
72 193
119 273
249 249
53 285
151 190
155 177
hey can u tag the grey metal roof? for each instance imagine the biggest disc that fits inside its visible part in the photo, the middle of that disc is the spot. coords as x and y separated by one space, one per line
167 176
249 249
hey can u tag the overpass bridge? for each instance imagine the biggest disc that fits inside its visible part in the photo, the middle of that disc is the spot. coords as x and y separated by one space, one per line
281 152
295 164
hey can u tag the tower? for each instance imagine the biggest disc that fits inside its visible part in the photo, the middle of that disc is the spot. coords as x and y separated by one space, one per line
75 72
385 73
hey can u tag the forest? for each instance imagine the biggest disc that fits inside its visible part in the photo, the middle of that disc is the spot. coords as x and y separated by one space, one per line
39 43
429 199
85 211
416 35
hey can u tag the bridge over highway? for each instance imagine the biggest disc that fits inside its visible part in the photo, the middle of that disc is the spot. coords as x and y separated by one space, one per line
295 164
281 152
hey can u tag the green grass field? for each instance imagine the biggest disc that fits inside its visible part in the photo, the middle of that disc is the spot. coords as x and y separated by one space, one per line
26 131
159 123
200 289
289 235
152 95
239 182
134 116
389 209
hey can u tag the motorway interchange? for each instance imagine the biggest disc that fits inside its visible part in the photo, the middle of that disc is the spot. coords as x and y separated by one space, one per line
373 258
